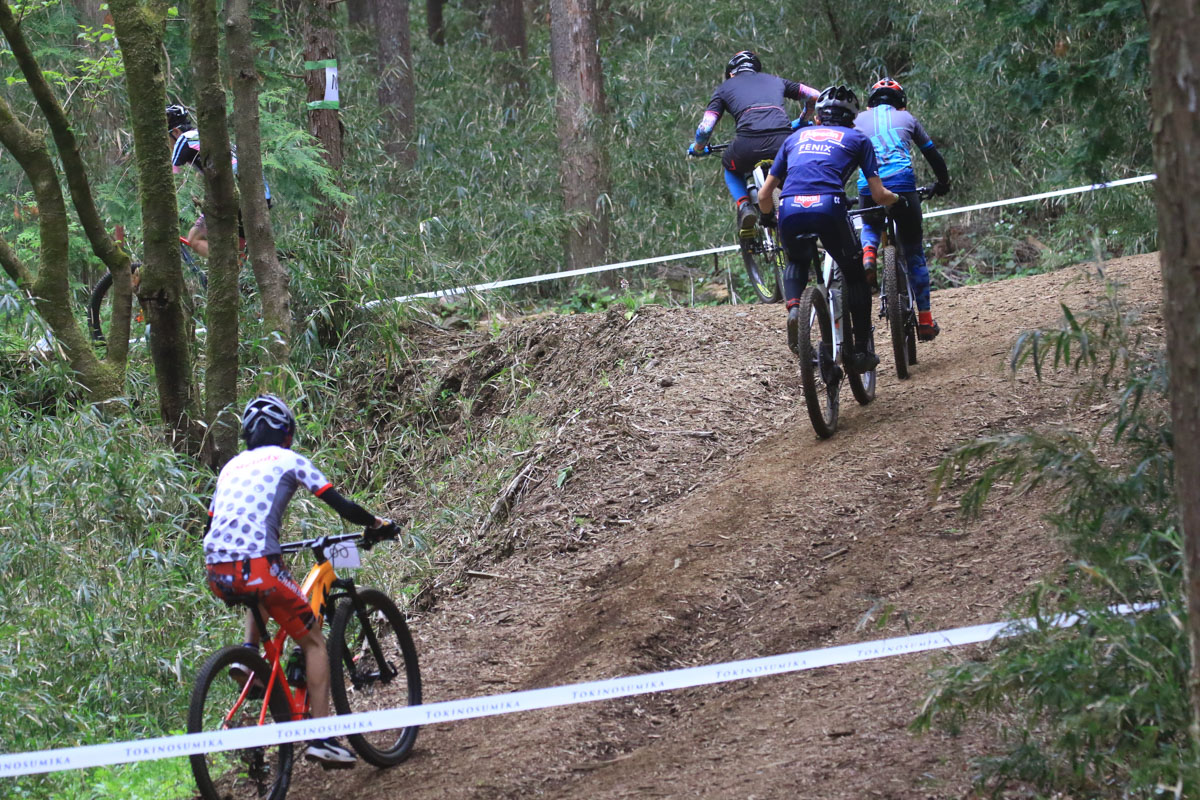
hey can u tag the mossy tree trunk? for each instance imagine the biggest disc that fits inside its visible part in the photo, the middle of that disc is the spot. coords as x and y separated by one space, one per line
583 168
75 172
221 214
49 286
397 93
273 291
1175 87
139 26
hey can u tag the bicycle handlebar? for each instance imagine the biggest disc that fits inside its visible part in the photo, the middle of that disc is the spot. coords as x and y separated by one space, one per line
369 536
925 192
712 148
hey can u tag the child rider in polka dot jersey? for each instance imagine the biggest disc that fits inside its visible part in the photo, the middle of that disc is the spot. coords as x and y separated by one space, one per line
241 546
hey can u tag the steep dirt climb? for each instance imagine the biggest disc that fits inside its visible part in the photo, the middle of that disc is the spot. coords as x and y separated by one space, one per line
701 521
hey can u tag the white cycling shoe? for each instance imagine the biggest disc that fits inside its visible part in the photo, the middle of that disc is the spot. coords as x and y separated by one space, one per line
330 754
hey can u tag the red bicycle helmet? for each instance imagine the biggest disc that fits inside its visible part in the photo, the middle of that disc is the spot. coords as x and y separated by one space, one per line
887 91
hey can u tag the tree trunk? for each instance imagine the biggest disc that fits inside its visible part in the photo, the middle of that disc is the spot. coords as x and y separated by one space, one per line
583 171
360 13
49 287
506 26
506 30
272 279
434 21
113 257
397 93
139 30
1175 87
324 122
221 214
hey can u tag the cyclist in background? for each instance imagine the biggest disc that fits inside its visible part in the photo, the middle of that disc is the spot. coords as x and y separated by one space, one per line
242 555
755 99
812 168
185 150
891 129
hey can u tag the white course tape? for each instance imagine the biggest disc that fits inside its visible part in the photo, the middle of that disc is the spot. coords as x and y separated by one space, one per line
571 273
70 758
641 262
1042 196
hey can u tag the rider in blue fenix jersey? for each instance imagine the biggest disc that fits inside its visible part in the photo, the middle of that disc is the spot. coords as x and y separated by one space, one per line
891 129
812 168
755 99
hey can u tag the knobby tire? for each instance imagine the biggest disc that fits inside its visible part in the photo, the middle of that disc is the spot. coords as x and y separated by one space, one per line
820 376
96 306
256 773
355 677
764 259
862 386
895 288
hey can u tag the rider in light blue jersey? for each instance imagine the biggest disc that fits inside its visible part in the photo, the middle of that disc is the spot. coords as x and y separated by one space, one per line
891 129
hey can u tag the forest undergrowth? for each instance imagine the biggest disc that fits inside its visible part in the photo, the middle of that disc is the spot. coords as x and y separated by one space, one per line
1100 709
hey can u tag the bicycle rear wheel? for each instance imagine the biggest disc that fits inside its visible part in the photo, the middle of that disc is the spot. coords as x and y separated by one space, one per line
363 678
895 287
863 386
820 375
764 259
256 773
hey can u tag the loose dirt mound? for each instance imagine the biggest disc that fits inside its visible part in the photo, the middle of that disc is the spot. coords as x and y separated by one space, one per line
678 510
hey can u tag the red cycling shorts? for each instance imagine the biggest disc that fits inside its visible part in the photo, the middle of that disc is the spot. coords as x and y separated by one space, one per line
267 579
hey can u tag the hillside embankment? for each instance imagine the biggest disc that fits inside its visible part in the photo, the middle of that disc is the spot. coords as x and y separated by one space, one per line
680 511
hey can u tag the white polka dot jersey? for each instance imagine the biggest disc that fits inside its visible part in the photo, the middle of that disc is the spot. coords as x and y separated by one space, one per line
253 491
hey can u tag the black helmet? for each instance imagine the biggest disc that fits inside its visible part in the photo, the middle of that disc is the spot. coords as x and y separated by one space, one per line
269 410
742 61
887 91
837 105
178 117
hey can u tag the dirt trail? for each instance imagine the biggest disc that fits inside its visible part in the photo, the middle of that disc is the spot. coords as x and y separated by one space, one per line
708 523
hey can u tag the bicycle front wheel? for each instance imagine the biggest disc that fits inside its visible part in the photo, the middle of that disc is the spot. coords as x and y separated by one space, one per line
373 665
764 259
820 375
256 773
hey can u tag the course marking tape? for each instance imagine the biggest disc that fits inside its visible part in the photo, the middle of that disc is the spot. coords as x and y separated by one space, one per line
571 273
1042 196
71 758
484 287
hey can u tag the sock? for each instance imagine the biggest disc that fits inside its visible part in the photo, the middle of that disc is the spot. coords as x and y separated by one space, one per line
925 318
795 301
869 255
742 201
251 645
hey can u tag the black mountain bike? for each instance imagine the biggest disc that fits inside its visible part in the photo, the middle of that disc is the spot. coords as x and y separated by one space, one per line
897 303
372 665
762 254
822 351
195 280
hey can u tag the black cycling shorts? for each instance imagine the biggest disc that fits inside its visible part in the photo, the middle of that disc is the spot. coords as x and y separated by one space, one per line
746 150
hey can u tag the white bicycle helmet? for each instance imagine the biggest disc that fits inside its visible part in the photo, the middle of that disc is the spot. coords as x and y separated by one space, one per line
269 410
837 105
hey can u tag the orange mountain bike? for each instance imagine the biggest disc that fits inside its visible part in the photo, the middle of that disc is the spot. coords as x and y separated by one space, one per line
372 665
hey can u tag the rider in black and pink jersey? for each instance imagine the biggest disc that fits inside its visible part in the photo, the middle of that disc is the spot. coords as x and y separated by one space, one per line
755 99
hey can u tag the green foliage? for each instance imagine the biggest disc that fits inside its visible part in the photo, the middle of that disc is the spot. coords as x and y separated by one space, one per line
1091 56
1101 709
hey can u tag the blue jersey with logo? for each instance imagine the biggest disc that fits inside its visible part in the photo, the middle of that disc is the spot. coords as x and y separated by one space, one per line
820 159
891 130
